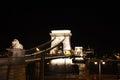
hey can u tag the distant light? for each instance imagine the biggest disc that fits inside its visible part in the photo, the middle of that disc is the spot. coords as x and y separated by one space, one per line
37 49
103 62
95 62
48 63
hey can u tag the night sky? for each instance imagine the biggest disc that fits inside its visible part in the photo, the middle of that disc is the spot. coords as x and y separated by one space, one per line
96 28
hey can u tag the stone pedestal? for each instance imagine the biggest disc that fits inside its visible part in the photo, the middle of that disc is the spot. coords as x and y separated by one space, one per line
16 67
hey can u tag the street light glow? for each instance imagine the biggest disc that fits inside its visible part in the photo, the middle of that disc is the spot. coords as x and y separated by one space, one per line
95 62
103 62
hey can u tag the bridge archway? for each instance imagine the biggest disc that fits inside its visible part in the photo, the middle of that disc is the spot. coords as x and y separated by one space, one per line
60 35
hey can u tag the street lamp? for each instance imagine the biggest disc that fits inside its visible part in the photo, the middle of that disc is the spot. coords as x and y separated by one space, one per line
100 62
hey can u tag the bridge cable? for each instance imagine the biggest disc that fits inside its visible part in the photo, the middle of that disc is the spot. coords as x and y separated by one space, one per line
46 50
41 45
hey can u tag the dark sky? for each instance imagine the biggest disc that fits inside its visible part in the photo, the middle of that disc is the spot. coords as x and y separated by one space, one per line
97 28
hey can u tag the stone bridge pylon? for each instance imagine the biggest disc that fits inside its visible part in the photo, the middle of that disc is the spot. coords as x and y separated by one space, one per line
59 35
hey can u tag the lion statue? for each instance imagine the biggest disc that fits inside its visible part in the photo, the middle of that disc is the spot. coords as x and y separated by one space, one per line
16 44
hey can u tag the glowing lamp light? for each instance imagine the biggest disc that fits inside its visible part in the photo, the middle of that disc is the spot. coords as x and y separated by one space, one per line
95 62
37 49
103 62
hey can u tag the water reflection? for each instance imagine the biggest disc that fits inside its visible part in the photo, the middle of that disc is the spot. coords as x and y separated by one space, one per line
62 66
66 68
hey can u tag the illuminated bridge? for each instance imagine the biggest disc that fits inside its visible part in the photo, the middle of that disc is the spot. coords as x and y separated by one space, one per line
54 57
17 65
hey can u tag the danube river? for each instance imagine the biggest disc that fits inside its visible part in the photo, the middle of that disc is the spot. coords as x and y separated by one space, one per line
63 69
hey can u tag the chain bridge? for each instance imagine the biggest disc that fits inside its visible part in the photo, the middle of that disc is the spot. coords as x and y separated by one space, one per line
16 66
54 57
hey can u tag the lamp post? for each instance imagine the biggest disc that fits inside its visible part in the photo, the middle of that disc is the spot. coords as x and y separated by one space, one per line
100 62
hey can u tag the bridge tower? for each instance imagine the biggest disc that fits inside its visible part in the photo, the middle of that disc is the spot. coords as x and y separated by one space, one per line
78 51
59 35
